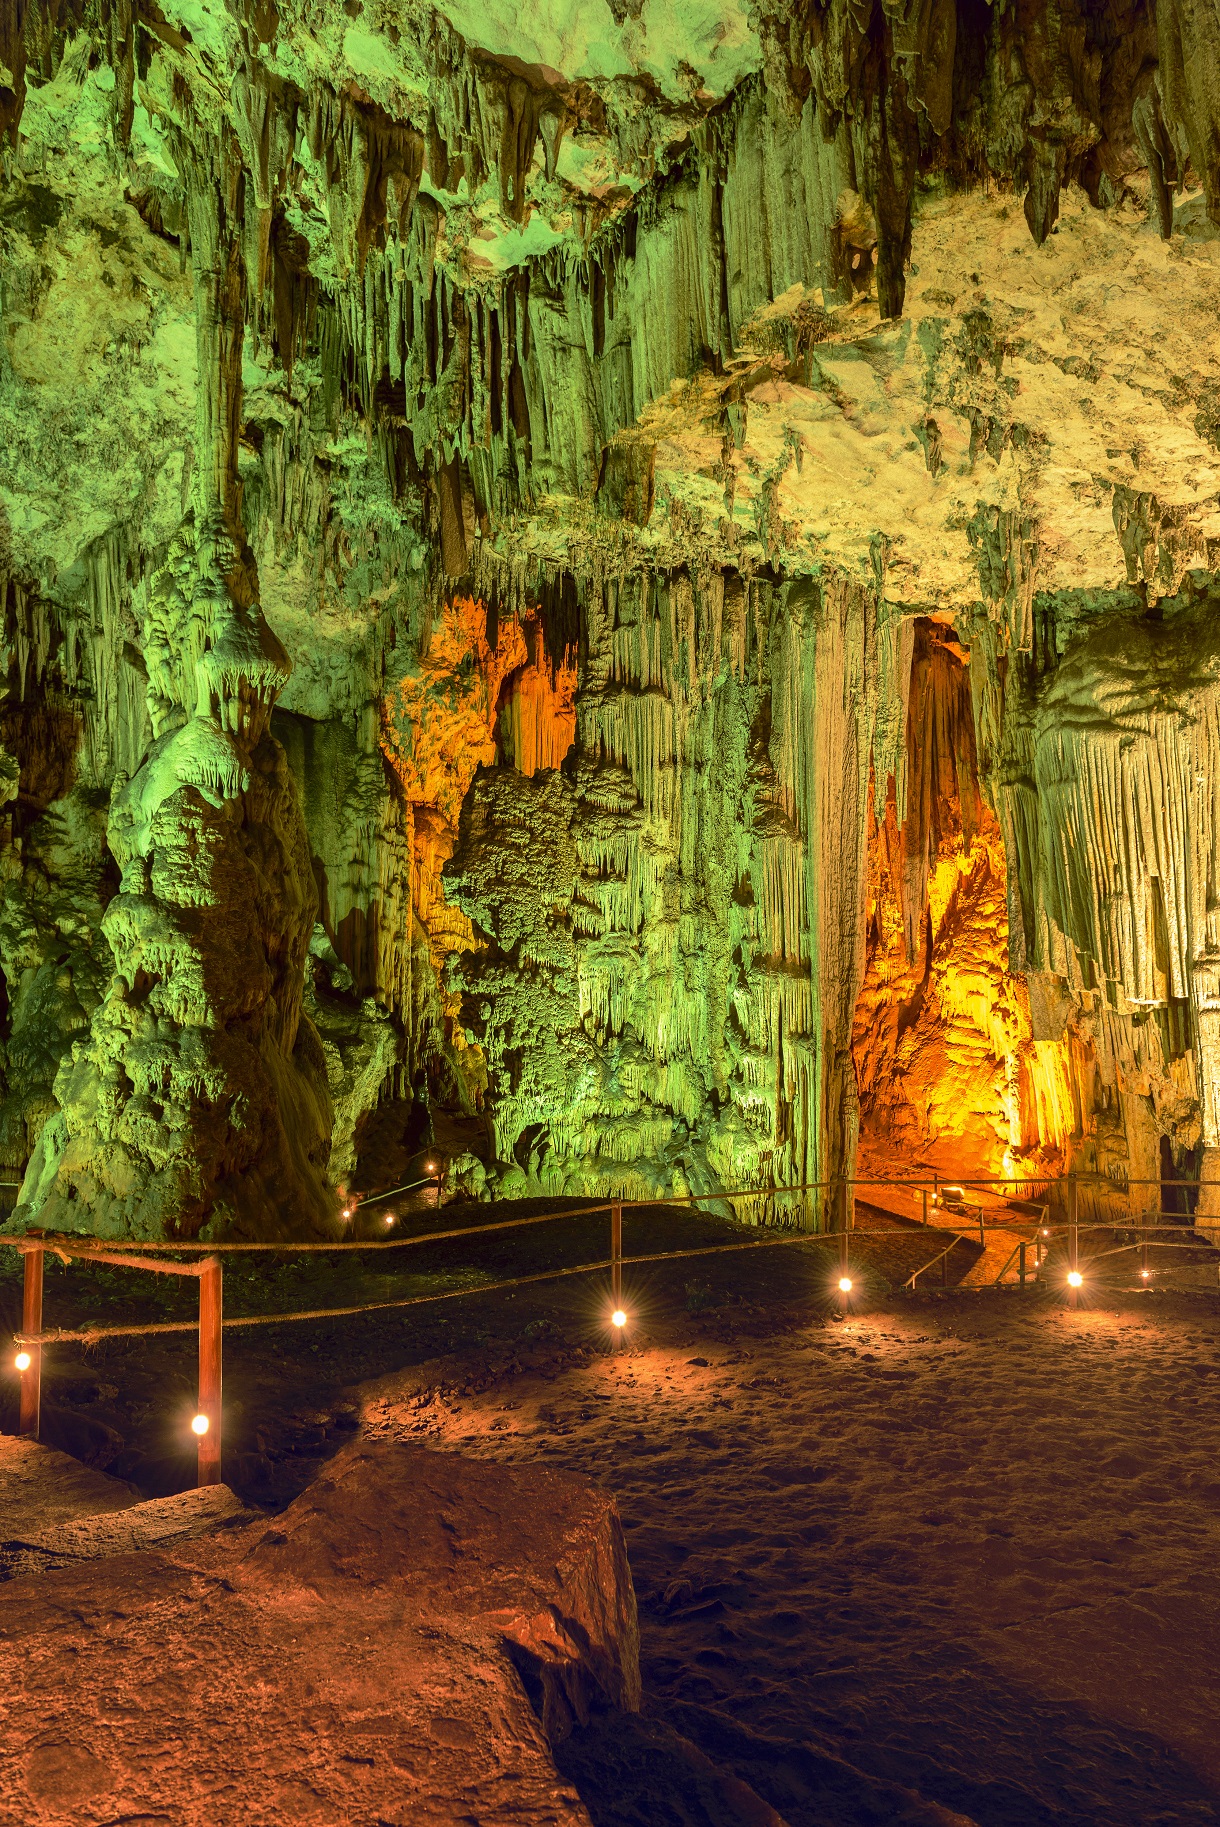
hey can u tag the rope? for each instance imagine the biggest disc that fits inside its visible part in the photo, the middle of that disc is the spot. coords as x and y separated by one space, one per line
70 1241
391 1192
90 1335
60 1241
52 1240
87 1253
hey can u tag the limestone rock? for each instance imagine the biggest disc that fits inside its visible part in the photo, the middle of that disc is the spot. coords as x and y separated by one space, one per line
409 407
403 1644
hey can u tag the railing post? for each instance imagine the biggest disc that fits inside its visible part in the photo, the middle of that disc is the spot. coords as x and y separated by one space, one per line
1073 1237
616 1255
211 1318
924 1196
1021 1263
31 1321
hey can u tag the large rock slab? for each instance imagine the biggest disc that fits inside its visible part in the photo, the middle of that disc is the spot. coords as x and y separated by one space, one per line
161 1522
41 1488
398 1646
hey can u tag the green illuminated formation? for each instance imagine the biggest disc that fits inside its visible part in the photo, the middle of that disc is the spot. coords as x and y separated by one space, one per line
650 566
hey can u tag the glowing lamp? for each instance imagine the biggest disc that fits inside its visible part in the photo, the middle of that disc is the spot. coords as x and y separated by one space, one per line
23 1360
618 1318
845 1284
1144 1274
389 1217
200 1425
1075 1279
429 1167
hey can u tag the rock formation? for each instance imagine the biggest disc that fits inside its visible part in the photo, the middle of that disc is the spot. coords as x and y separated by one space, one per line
650 568
412 1641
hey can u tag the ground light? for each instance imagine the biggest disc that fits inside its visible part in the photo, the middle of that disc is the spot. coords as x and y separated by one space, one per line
618 1318
845 1284
199 1425
1075 1279
23 1360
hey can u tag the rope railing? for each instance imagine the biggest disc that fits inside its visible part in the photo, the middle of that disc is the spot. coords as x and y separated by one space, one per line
156 1255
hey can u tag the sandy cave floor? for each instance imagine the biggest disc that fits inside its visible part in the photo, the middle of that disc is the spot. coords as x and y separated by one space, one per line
970 1544
966 1542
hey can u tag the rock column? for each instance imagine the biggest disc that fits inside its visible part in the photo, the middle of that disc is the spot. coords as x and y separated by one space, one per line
197 1105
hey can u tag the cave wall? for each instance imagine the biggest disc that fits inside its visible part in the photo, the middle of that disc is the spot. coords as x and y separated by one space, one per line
674 919
472 481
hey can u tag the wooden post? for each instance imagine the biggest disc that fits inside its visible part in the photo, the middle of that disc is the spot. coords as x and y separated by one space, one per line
1021 1260
842 1204
924 1196
1073 1237
616 1256
31 1321
211 1315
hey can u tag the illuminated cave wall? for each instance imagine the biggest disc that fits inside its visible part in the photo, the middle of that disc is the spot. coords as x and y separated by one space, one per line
651 568
673 921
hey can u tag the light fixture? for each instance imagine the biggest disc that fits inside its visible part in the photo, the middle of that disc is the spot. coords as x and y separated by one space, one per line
389 1217
23 1360
845 1284
1075 1278
429 1167
200 1425
618 1318
1144 1274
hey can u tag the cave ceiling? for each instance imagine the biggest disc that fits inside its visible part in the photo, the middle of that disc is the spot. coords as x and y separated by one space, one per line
645 570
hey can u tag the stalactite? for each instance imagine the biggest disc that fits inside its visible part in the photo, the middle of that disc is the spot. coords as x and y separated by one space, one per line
688 986
503 393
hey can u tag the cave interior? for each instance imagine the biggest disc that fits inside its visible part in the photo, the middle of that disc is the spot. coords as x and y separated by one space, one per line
628 598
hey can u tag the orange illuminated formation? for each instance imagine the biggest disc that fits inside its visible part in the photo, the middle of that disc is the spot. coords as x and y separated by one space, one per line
483 690
948 1071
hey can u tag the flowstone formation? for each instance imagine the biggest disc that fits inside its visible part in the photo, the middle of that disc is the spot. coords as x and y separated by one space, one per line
644 572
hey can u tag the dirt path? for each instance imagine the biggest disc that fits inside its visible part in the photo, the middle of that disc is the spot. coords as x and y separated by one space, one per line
969 1544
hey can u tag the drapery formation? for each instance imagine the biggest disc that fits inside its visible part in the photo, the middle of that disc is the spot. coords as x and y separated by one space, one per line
640 571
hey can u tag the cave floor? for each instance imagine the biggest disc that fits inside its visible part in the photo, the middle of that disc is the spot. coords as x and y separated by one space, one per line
966 1542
